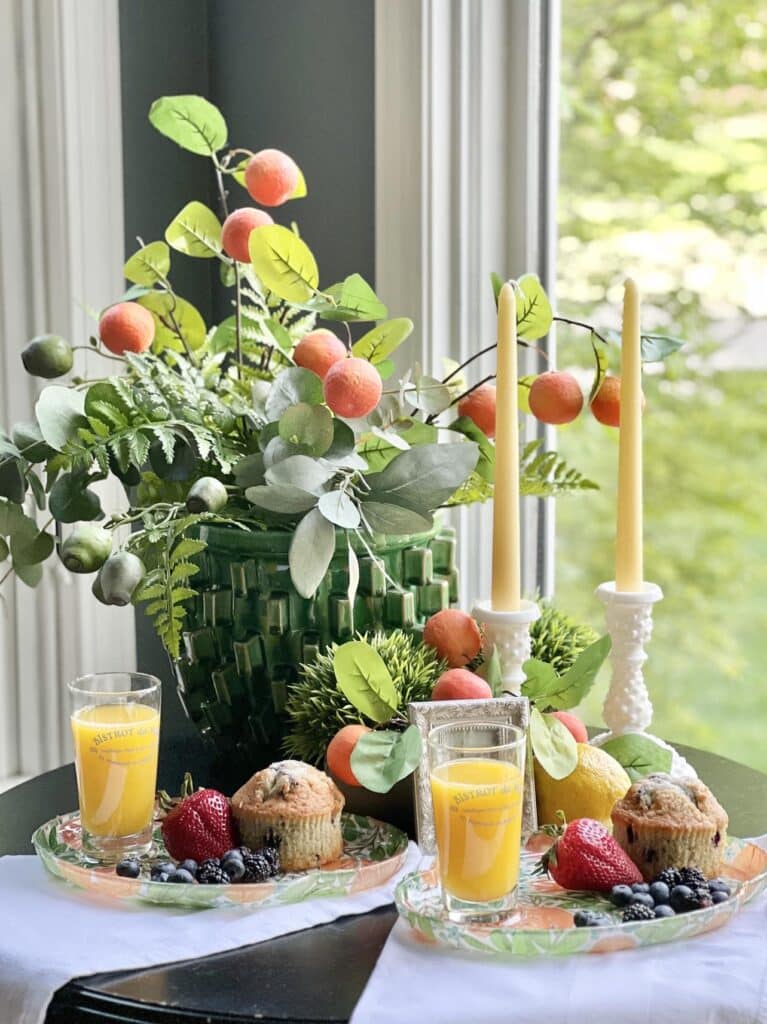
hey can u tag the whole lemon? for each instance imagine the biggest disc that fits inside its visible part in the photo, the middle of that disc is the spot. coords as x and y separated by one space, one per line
589 791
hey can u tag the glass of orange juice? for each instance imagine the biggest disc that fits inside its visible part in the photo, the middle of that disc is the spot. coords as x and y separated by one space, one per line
116 731
477 781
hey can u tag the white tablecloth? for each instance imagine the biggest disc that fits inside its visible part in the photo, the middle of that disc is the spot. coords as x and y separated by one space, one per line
719 978
51 933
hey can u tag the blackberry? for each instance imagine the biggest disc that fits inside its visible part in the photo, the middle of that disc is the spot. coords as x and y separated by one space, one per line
701 897
210 872
271 855
638 912
692 877
257 868
670 877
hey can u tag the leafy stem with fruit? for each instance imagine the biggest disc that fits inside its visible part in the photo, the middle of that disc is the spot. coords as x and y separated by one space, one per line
264 420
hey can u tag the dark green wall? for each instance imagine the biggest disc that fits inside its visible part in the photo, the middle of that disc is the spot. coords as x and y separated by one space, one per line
291 74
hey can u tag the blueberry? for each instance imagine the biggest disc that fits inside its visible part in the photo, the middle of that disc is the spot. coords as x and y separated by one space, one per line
681 898
182 876
234 867
718 885
166 868
719 896
236 853
589 919
659 892
128 868
640 887
664 910
620 895
643 898
161 876
189 865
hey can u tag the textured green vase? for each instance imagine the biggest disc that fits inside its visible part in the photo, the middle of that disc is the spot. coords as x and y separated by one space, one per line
248 630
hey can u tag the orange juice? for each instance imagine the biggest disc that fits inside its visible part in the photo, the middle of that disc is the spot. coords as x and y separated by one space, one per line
116 760
478 824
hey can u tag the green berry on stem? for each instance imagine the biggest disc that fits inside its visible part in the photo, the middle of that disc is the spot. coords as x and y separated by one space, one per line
47 356
86 548
206 495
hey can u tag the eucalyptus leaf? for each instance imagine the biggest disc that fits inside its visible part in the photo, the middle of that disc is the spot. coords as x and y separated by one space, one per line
291 387
386 518
191 122
60 412
31 550
29 574
71 501
638 754
343 443
363 678
534 313
195 231
553 745
278 451
4 550
13 483
424 477
283 498
301 471
310 426
379 343
338 508
284 263
382 758
311 552
655 347
149 265
429 395
249 471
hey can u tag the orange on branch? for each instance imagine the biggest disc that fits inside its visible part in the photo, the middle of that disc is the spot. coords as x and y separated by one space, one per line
461 684
340 750
352 387
318 351
454 635
271 177
237 228
126 327
606 405
479 406
555 397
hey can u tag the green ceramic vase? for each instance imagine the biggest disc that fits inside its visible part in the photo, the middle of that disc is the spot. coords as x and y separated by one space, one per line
248 630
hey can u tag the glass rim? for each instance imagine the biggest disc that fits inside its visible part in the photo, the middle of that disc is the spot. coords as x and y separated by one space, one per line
439 730
154 684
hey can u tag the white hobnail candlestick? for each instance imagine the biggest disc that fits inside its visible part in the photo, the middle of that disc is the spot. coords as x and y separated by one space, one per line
627 707
509 633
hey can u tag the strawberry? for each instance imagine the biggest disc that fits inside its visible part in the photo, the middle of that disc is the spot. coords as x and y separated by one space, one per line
585 856
199 825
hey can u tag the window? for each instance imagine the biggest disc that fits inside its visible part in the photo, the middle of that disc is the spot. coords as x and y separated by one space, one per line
663 175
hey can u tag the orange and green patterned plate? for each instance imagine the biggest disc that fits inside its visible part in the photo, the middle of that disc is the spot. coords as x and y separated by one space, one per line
544 924
373 853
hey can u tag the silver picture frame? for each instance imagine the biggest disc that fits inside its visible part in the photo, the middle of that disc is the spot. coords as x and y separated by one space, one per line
425 715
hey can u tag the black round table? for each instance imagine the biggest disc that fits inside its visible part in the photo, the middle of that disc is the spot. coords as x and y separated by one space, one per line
308 977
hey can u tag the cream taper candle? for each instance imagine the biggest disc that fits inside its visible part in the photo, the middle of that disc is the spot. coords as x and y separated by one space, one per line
505 593
628 554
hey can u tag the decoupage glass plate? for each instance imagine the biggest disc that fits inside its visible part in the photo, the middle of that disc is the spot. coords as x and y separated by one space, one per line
373 853
544 925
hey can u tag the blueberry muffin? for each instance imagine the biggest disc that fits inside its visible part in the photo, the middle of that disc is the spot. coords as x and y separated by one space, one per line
296 806
663 822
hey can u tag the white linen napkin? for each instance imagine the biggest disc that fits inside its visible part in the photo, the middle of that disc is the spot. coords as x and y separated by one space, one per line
718 978
51 932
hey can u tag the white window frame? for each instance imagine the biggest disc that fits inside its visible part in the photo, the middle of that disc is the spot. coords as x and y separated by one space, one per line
61 249
466 169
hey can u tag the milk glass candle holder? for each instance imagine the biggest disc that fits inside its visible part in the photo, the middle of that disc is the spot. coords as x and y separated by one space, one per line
116 731
477 772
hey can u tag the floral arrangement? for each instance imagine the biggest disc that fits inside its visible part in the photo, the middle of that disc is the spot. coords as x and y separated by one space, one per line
262 421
